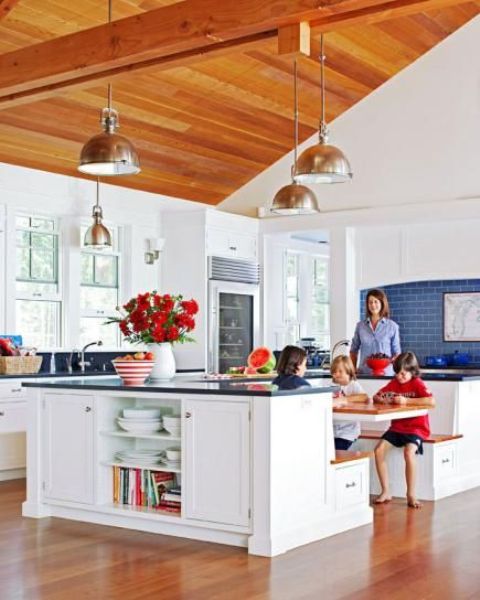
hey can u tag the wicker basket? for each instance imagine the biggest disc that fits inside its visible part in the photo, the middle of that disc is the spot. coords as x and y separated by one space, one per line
20 365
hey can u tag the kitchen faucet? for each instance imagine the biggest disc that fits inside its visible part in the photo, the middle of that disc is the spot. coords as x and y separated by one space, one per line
82 361
336 346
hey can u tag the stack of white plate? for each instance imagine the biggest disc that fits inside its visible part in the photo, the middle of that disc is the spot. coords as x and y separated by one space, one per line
141 420
172 457
140 457
172 425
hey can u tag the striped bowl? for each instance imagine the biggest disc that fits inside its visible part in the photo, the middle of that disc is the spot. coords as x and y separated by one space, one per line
133 372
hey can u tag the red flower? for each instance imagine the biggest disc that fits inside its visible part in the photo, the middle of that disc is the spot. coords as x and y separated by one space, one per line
158 334
172 333
190 306
159 317
124 327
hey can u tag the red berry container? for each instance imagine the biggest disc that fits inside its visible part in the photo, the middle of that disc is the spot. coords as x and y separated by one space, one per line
378 365
133 372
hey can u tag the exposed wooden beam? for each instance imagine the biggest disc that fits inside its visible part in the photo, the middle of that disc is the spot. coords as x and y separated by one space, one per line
6 6
294 39
168 36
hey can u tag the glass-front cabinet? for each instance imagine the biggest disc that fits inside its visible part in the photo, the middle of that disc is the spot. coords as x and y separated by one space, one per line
233 326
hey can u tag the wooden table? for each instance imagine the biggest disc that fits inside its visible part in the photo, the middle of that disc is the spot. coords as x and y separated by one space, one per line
376 412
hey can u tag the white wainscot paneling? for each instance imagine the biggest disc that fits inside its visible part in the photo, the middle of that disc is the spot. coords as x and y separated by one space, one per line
442 250
379 256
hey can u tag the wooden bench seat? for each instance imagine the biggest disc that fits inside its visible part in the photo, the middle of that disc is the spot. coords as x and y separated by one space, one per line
435 438
347 455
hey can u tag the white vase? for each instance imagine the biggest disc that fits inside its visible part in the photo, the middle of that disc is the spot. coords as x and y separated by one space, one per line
164 367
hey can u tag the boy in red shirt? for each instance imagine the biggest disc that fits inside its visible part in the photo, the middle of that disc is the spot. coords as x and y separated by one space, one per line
405 389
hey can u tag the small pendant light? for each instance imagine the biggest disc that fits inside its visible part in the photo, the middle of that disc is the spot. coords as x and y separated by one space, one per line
294 198
323 163
97 235
109 153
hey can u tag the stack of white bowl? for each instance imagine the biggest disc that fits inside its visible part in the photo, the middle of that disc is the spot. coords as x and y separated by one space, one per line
141 420
172 457
172 425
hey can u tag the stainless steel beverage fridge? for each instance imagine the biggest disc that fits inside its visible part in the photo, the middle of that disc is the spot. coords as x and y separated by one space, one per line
233 312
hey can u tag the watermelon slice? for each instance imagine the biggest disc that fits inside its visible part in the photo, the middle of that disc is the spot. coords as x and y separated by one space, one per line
262 359
250 371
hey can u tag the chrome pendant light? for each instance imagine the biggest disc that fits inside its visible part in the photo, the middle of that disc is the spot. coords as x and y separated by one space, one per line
294 198
97 235
323 163
108 153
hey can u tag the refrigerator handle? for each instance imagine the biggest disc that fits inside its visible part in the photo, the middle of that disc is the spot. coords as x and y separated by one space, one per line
214 339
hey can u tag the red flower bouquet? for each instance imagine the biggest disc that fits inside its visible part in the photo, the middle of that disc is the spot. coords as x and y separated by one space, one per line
153 318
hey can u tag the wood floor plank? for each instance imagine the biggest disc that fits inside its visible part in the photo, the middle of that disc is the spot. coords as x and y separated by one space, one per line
430 554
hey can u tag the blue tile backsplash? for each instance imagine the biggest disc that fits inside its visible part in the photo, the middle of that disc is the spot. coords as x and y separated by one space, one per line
418 308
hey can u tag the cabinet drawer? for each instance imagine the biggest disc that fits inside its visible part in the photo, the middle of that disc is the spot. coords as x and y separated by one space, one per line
445 461
12 390
13 417
351 485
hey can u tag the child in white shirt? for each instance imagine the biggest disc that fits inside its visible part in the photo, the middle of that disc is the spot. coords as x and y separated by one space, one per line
343 374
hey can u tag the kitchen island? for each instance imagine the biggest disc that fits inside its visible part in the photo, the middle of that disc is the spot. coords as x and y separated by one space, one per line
256 467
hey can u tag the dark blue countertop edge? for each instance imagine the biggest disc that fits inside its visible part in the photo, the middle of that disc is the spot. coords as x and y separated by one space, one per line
227 388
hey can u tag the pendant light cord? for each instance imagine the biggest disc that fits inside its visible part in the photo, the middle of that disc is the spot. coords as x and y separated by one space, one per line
295 118
98 192
322 77
109 85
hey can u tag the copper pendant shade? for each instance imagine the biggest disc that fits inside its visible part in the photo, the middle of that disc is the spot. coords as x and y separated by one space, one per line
294 198
109 154
323 163
97 235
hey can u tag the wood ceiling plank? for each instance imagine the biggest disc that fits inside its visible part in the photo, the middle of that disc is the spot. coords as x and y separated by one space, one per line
6 6
192 25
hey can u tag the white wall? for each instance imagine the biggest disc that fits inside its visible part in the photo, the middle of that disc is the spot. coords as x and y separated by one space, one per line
138 213
415 139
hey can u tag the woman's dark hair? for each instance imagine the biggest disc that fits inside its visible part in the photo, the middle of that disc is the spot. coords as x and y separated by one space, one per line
290 359
379 295
407 361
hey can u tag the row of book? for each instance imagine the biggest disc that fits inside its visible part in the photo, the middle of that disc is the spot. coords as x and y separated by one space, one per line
143 487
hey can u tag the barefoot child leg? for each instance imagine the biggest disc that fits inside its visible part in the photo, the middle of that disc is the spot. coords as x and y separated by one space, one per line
380 455
409 452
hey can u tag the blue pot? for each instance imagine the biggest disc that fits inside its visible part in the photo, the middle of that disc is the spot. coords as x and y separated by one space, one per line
460 359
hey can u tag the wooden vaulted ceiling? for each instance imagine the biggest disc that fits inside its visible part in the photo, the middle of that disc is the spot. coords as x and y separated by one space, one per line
205 127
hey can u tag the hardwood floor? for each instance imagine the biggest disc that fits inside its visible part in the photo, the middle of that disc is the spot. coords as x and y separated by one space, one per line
428 554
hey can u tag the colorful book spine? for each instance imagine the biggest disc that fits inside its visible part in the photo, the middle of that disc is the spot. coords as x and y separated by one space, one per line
142 487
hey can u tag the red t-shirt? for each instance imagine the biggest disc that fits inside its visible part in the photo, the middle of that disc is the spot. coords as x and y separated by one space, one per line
415 388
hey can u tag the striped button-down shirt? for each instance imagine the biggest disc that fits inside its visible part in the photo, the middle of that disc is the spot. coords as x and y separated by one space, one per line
385 338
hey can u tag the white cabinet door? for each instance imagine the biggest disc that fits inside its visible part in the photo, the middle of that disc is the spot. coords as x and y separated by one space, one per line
217 461
68 443
231 244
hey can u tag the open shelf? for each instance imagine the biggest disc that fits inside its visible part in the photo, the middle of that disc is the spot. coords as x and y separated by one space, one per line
143 436
132 465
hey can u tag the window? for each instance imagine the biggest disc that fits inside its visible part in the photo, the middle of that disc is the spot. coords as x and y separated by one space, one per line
320 315
292 271
38 303
99 294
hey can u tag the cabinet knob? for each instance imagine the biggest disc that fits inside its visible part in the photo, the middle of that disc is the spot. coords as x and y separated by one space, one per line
88 409
350 485
445 460
16 390
188 415
2 414
232 247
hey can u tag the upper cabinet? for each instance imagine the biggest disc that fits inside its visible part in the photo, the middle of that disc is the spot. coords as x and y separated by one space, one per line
231 244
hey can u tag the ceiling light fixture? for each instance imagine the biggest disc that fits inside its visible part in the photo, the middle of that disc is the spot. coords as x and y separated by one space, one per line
294 198
323 163
108 153
97 235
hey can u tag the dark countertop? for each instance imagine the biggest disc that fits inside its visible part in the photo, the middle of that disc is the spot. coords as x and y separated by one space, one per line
187 386
44 374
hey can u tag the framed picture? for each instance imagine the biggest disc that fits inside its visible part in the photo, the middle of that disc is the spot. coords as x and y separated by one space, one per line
461 316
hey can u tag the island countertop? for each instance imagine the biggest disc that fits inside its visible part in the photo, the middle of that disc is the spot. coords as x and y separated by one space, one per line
186 386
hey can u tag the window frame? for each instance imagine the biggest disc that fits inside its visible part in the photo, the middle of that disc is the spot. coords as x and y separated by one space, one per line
116 251
51 296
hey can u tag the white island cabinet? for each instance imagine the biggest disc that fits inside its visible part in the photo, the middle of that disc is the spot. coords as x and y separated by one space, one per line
255 467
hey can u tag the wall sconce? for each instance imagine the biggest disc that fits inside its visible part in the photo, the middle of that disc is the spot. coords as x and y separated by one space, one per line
155 246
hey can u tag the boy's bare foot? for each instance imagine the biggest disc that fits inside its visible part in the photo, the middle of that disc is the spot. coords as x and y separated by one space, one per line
382 499
413 503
